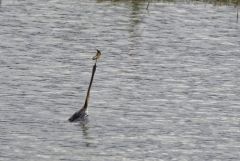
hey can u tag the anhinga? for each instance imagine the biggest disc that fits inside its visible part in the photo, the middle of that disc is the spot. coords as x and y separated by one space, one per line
81 115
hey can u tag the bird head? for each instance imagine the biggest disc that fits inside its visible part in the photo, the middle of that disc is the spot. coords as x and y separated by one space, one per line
97 56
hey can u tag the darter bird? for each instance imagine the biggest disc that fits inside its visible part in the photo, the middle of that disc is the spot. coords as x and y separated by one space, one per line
82 115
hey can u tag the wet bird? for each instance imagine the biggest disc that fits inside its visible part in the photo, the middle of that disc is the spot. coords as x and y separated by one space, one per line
81 115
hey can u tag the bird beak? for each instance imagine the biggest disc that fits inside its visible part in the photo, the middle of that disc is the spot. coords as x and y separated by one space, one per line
98 52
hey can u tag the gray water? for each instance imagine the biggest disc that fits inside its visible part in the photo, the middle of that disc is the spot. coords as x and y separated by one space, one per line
167 85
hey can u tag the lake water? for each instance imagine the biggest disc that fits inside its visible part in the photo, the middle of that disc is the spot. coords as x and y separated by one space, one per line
167 86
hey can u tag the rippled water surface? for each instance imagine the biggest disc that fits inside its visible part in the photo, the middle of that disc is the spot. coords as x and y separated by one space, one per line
167 86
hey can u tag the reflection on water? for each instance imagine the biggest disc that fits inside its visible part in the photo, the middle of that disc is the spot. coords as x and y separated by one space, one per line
85 132
135 18
166 88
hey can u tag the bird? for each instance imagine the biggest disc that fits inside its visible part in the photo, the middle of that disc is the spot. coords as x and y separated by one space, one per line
82 115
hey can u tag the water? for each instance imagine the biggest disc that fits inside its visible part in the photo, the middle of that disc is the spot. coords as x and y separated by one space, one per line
167 86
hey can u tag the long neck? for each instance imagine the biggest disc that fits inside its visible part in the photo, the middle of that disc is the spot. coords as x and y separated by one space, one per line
89 87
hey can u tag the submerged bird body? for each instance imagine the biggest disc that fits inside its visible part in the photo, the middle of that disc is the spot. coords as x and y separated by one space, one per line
80 115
